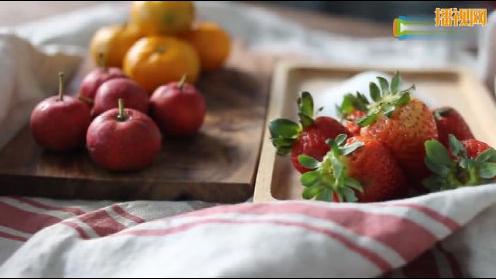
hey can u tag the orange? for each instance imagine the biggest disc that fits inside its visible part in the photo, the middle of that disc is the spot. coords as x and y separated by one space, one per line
162 17
112 42
157 60
212 43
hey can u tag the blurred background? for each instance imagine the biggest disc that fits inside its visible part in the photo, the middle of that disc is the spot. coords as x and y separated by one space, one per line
344 32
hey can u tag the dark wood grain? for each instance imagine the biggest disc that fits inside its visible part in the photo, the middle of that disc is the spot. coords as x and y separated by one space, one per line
218 165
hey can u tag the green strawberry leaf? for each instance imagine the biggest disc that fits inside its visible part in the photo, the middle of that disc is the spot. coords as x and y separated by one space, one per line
349 195
437 153
284 128
311 192
305 104
340 139
487 170
308 162
389 109
487 156
375 92
310 178
384 85
362 101
404 99
438 169
305 120
351 103
386 99
283 134
353 183
367 120
350 148
395 83
325 195
457 147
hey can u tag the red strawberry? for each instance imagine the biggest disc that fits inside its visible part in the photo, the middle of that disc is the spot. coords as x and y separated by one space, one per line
449 121
402 124
467 163
351 122
474 147
350 172
307 137
352 108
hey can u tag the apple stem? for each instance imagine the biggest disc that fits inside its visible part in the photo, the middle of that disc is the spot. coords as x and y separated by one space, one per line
122 116
181 82
61 86
85 99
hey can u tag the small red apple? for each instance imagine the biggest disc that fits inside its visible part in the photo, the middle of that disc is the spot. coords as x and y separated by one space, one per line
178 108
95 78
59 123
109 92
123 139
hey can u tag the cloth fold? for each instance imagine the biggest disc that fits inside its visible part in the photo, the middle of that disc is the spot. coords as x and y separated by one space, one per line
294 239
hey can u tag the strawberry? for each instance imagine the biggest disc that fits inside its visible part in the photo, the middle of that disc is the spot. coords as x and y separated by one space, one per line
350 172
351 109
351 122
474 147
401 123
307 137
449 121
467 163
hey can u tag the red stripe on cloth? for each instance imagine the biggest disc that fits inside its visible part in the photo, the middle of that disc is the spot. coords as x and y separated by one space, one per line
425 266
78 229
119 210
456 270
24 221
12 237
101 222
373 257
445 220
73 210
390 230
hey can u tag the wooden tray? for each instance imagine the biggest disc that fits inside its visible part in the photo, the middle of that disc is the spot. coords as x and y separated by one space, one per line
276 179
218 165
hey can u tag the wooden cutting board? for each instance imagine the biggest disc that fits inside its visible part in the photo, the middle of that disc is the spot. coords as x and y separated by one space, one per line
217 165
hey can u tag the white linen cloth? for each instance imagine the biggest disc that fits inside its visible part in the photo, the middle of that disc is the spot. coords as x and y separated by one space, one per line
444 235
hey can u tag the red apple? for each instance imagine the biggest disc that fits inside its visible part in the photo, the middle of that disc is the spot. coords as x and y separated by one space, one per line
178 108
94 79
109 92
59 123
97 77
123 139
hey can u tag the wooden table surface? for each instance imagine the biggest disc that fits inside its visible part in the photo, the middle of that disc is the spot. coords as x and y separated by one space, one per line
12 13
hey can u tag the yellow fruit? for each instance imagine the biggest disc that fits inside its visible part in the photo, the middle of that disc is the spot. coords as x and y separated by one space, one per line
162 17
154 61
211 42
112 42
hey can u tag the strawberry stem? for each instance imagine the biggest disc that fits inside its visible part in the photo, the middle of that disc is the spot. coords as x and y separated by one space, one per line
61 86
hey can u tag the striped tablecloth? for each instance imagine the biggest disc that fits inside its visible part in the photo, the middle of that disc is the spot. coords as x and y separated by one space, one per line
445 234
